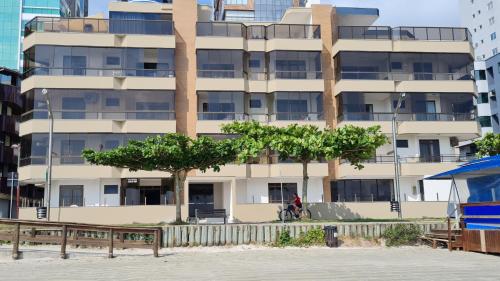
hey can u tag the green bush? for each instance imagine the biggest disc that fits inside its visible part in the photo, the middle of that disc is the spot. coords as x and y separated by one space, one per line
401 235
314 237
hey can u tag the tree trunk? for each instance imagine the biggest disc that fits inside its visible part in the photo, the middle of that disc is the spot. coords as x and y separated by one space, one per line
179 179
305 181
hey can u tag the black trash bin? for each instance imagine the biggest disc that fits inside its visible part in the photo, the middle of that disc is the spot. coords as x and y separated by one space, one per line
331 236
41 213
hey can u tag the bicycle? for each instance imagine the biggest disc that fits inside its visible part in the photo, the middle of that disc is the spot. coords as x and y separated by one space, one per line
289 214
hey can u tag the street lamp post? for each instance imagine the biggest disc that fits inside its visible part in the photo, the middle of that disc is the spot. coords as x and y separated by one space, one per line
18 148
45 93
397 171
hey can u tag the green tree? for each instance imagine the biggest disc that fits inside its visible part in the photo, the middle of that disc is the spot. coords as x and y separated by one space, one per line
489 145
173 153
305 144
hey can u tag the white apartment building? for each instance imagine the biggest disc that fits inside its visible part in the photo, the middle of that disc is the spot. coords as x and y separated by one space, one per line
482 18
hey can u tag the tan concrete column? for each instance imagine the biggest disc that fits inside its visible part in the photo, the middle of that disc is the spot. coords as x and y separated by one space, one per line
324 16
185 16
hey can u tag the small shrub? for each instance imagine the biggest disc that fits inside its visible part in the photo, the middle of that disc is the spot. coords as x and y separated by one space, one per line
285 239
401 235
314 237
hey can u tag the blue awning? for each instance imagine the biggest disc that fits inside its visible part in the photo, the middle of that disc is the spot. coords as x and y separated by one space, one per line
481 167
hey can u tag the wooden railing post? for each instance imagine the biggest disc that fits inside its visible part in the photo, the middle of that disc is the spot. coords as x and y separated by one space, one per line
156 240
64 239
110 252
121 235
75 237
15 241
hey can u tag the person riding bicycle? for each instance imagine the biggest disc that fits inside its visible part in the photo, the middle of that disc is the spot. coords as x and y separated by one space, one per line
297 204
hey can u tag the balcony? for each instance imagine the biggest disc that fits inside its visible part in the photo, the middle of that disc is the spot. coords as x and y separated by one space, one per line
273 31
10 94
417 166
404 33
402 39
384 116
95 25
226 35
99 72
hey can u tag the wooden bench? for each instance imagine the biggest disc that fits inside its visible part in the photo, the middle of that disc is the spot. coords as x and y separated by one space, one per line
210 214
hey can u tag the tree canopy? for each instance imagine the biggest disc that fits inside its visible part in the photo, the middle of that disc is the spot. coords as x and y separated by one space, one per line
306 143
489 145
174 153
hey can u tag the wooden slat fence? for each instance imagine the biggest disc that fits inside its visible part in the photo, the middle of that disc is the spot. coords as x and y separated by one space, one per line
262 234
18 231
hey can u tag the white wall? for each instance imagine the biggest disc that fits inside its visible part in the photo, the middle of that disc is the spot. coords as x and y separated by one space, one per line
256 190
93 192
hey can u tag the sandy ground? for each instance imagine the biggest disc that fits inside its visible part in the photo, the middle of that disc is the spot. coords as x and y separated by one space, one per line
250 263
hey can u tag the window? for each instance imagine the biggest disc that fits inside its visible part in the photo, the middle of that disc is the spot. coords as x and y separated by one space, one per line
493 36
492 20
70 195
480 75
490 5
402 143
396 66
484 121
361 190
275 192
113 60
255 103
112 102
111 189
482 98
494 51
395 104
254 63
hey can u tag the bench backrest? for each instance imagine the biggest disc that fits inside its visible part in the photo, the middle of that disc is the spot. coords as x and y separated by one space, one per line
215 213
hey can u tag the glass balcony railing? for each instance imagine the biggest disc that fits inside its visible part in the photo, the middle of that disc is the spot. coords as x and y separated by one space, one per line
400 76
387 116
101 115
102 72
262 117
388 159
274 31
404 33
93 25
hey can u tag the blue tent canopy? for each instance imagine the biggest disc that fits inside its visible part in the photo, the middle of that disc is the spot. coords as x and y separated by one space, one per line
477 168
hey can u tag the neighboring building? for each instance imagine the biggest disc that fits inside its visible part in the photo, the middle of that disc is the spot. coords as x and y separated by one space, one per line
74 8
482 18
14 14
253 10
10 109
493 78
121 80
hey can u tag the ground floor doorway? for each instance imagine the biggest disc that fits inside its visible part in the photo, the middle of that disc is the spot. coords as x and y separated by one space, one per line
201 197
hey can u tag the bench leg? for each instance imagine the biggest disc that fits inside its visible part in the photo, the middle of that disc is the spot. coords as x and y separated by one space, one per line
434 244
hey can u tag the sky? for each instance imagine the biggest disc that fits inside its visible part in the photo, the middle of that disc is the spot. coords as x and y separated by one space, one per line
392 12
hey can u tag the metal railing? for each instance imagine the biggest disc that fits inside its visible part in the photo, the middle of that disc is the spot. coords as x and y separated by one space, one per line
102 72
100 115
274 31
387 159
404 33
293 31
387 116
403 76
222 29
296 116
296 75
94 25
365 32
221 74
222 116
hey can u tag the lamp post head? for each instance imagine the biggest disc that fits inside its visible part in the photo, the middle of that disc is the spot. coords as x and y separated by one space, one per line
44 92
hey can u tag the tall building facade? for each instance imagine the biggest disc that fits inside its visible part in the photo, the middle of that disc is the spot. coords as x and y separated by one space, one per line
14 14
10 109
482 18
172 71
253 10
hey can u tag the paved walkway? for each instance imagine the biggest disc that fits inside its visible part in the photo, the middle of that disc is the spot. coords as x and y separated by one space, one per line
417 263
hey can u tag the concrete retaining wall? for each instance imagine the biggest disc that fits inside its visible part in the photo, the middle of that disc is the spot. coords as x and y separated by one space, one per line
262 234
